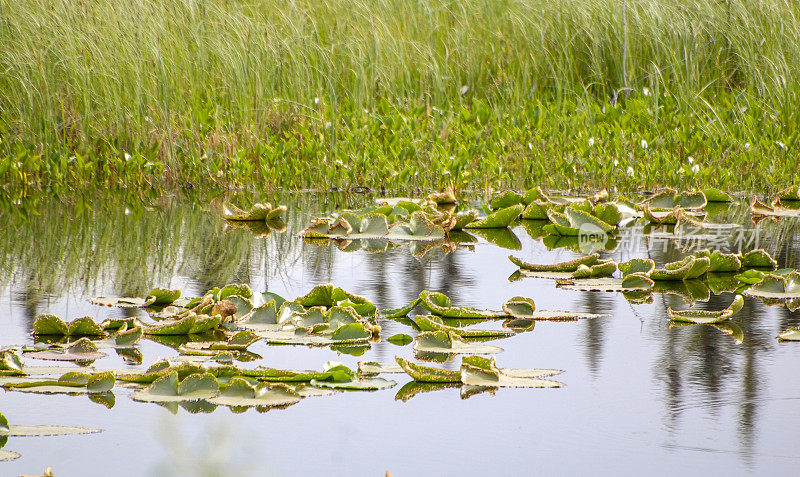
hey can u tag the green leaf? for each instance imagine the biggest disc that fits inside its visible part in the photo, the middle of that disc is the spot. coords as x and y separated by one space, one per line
567 266
400 339
163 296
758 259
505 199
499 219
367 384
428 374
519 307
449 343
85 327
49 324
637 265
791 334
707 317
434 323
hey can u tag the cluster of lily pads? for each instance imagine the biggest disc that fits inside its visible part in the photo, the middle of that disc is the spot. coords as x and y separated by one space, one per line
443 219
752 273
260 219
213 331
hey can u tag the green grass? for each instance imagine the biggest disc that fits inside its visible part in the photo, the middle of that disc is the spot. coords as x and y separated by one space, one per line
398 93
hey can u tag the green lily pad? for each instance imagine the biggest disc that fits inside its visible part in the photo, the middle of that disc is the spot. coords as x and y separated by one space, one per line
776 286
630 283
168 389
641 266
434 323
499 219
400 339
163 296
505 199
428 374
707 317
367 384
567 266
440 304
82 350
478 371
242 393
716 195
791 334
49 324
122 302
374 368
519 307
758 259
442 342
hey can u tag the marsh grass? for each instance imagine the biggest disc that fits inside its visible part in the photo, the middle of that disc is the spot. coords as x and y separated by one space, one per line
315 93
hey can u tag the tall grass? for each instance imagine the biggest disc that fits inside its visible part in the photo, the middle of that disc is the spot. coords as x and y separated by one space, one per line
169 78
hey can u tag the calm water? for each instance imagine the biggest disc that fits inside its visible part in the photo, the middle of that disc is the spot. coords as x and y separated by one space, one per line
639 397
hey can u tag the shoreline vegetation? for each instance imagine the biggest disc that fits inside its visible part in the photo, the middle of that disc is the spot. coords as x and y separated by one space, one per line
479 94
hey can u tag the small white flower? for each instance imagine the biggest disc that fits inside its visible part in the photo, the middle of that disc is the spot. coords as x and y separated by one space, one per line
127 157
591 141
127 211
746 146
616 163
690 159
695 169
646 91
464 90
630 171
781 145
530 146
328 125
643 144
446 173
316 101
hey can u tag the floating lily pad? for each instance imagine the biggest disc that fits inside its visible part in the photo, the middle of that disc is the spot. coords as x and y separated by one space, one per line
428 374
374 368
499 219
414 388
791 334
434 323
630 283
478 371
367 384
707 317
505 199
758 259
567 266
400 339
776 286
82 350
163 296
637 265
519 307
449 343
169 389
123 302
444 197
241 393
440 304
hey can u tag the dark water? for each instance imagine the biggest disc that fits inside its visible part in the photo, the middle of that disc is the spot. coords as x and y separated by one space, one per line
639 396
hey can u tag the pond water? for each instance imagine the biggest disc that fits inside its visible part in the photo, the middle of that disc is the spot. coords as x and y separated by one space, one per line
639 396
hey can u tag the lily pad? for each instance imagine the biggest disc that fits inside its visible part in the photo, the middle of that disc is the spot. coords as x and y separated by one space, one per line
630 283
567 266
637 265
366 384
427 374
519 307
434 323
478 371
168 389
163 296
242 393
791 334
505 199
776 286
82 350
122 302
499 219
707 317
400 339
442 342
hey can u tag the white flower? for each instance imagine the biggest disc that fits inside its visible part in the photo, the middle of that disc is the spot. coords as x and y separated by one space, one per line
464 90
616 163
695 168
746 145
690 159
328 125
591 141
530 146
127 157
316 101
781 145
630 171
643 144
646 91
